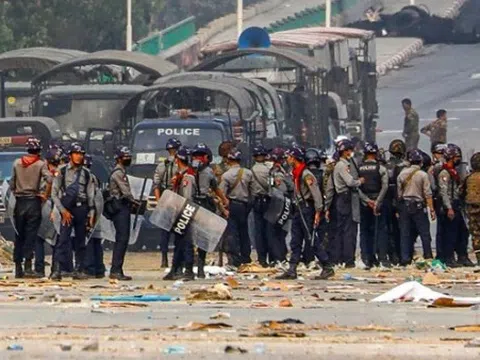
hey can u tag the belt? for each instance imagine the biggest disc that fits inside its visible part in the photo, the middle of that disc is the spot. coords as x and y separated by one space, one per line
238 201
411 199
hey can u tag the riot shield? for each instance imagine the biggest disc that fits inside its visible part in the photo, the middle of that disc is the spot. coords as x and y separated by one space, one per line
9 201
136 185
183 218
279 209
47 231
98 212
107 230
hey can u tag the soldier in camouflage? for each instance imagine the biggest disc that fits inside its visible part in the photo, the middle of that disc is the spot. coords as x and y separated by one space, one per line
472 202
437 130
411 124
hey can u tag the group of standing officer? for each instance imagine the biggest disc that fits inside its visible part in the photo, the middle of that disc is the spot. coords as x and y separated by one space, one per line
65 180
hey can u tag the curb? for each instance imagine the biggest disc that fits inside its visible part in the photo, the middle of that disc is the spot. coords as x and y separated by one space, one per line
454 10
400 58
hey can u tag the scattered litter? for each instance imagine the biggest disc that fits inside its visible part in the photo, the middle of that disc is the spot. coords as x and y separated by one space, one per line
135 298
256 269
342 298
288 321
430 279
287 324
235 350
274 286
113 281
65 347
347 277
373 327
15 347
447 302
232 282
466 328
438 266
118 304
285 303
259 348
220 315
345 289
217 292
196 326
174 349
91 347
278 334
259 305
67 299
415 292
475 343
177 284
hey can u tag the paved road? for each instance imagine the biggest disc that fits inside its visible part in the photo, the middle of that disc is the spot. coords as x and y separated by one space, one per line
444 77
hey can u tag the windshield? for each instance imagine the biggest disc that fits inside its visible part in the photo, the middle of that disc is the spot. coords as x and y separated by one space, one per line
78 115
6 164
154 140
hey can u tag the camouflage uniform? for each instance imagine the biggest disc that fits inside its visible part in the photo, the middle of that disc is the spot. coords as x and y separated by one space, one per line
472 200
410 129
437 131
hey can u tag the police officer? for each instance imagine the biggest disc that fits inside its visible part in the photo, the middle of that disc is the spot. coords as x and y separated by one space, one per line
456 233
345 186
94 263
472 201
278 179
27 175
183 184
307 217
121 193
396 163
438 150
414 192
73 194
206 186
373 214
237 184
331 222
260 193
162 180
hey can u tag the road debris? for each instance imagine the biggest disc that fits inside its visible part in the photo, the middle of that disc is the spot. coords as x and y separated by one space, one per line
430 279
235 350
232 282
94 346
475 343
285 303
220 315
255 269
136 298
197 326
65 347
15 347
124 305
466 328
174 349
217 292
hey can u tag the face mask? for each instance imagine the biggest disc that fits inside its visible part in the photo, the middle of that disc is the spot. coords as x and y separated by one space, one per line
457 162
126 162
196 164
170 158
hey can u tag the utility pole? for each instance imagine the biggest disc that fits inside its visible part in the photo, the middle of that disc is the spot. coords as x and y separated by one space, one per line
239 17
129 25
328 13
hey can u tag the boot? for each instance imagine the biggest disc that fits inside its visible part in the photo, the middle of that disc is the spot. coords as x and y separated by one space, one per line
79 275
478 258
189 275
201 271
327 273
174 274
290 274
120 276
451 263
56 274
28 272
19 271
465 261
164 260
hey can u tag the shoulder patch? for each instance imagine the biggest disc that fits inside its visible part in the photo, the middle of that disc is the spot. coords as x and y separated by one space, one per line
185 182
310 180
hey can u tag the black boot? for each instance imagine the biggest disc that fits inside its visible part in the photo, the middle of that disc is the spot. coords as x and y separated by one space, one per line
201 271
465 261
290 274
451 263
28 271
19 274
164 260
189 275
327 272
119 276
78 274
174 274
56 272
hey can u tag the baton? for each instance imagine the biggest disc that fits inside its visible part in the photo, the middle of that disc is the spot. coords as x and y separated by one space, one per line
140 205
304 222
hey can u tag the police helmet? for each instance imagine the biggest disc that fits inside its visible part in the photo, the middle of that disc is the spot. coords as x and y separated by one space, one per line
201 149
426 160
173 143
54 156
297 152
76 148
235 155
122 152
277 154
312 157
88 161
456 147
370 148
451 153
415 156
397 146
183 153
438 148
344 145
340 138
475 161
259 150
33 144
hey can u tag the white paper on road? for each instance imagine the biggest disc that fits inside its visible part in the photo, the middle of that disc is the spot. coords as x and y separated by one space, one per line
413 291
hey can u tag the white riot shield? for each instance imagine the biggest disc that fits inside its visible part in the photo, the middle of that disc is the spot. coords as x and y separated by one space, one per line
47 229
181 217
98 212
279 209
9 201
136 185
107 230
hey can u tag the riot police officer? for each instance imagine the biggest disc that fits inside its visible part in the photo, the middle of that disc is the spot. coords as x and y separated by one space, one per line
438 150
162 180
454 226
307 216
414 195
345 186
121 194
183 184
373 226
280 180
73 194
236 184
27 175
396 163
260 193
206 186
94 262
